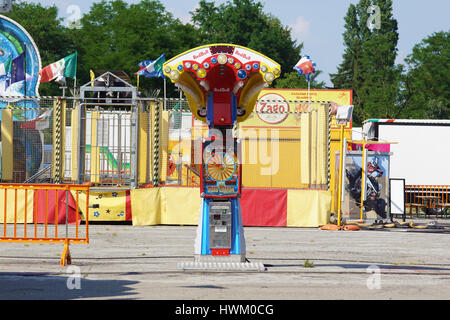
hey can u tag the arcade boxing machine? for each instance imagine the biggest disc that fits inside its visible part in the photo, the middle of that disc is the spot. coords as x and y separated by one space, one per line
221 83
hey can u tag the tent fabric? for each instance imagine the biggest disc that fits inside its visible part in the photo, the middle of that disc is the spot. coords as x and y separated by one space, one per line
260 207
128 216
173 206
146 206
43 215
112 205
308 208
180 205
264 207
16 211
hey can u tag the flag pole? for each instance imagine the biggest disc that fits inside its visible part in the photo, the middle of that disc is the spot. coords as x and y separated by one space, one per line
25 73
75 79
309 91
165 106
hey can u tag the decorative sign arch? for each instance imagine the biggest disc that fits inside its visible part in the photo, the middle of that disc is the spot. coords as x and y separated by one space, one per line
15 41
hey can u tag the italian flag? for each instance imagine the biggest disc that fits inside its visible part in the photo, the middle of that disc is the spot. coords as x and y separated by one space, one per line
64 68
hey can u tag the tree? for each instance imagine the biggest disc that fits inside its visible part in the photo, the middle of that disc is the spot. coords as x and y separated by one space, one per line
116 35
348 75
368 66
380 89
243 22
426 83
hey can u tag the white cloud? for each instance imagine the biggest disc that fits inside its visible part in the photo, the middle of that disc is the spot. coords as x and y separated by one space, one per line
300 29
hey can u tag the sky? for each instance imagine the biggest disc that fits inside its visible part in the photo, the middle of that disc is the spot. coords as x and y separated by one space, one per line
318 24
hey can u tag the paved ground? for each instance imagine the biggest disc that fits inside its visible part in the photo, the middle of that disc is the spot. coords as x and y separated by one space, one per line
126 262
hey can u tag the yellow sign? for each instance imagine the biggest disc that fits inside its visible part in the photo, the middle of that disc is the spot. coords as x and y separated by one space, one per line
111 205
282 108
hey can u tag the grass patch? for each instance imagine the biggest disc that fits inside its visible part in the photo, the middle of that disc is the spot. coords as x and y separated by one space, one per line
308 264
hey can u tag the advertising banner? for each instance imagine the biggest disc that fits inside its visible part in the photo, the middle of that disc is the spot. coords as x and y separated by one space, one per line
376 185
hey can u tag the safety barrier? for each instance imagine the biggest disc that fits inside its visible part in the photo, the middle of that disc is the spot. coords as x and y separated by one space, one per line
36 207
431 199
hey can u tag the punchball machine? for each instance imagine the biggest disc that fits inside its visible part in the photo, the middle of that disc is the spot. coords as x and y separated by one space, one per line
221 83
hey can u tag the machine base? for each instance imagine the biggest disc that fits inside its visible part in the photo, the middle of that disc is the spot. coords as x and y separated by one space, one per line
220 233
222 266
219 259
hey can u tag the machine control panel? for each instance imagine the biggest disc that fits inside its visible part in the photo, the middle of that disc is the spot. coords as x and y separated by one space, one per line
220 225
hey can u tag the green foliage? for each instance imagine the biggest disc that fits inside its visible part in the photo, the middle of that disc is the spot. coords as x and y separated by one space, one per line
116 35
348 75
243 22
368 66
382 89
426 83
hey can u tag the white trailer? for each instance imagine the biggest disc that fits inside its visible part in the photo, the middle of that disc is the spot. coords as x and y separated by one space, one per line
422 153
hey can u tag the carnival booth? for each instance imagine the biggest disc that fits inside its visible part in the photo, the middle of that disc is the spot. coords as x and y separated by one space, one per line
232 154
288 173
145 157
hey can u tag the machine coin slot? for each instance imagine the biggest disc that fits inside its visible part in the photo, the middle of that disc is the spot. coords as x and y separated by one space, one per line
220 224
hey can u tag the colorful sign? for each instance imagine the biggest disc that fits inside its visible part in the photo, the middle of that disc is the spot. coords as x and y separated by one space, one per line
228 71
272 108
376 180
282 107
17 44
202 53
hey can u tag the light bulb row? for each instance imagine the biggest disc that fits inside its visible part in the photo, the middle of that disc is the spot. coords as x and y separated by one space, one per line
201 69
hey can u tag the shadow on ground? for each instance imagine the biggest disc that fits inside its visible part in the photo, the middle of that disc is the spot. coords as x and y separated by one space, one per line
363 265
42 286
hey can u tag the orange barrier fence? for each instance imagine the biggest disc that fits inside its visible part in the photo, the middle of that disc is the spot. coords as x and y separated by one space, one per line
432 199
43 213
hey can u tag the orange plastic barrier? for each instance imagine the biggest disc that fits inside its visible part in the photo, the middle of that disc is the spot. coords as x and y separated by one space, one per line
45 209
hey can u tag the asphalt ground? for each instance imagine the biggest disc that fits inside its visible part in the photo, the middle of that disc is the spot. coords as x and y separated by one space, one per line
141 263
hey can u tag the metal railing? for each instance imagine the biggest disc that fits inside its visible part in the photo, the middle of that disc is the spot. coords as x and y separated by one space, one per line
429 199
123 142
51 211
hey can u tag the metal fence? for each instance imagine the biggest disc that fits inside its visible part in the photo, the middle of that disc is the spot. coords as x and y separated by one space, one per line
44 213
280 148
129 143
428 199
26 137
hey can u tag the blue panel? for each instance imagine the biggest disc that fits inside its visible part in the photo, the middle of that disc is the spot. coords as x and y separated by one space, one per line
233 108
210 109
205 227
235 227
